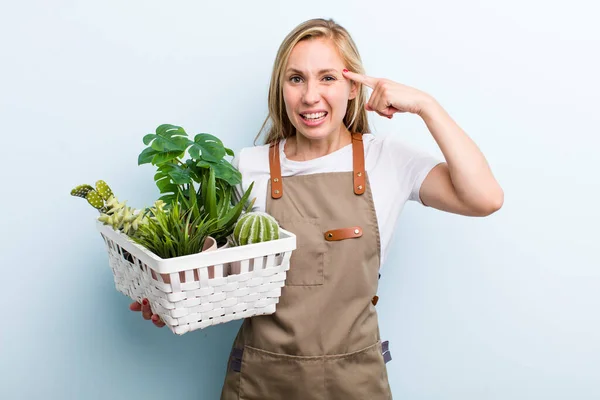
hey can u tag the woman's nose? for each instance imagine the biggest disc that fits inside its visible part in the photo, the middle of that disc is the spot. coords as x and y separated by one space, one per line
311 94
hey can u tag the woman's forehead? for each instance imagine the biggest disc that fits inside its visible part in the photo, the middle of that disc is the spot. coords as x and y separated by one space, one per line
314 56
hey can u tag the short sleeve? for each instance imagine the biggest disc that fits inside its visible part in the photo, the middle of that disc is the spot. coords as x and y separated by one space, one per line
407 164
245 162
238 191
419 165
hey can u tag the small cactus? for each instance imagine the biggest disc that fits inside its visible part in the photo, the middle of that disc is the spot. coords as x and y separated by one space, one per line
95 199
104 190
112 212
255 227
81 191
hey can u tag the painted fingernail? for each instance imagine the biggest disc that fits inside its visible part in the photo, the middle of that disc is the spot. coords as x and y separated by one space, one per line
145 302
155 318
344 70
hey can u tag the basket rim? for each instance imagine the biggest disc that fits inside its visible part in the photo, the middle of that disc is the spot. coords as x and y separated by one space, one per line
286 242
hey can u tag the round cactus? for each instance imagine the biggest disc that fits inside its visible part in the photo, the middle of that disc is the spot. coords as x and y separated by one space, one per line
255 227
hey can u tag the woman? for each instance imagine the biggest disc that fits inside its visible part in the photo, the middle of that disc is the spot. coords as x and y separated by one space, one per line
340 189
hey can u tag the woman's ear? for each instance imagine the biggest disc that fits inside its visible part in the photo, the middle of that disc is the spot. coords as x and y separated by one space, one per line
353 90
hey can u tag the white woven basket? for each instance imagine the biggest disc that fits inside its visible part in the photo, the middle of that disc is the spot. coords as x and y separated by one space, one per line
201 289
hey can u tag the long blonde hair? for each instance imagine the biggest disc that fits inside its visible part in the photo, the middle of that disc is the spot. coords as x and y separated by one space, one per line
356 116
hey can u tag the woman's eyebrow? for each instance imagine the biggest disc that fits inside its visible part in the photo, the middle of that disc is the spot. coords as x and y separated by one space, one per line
321 72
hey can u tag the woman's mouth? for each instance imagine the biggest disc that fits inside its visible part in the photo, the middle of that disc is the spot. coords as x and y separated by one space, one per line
312 119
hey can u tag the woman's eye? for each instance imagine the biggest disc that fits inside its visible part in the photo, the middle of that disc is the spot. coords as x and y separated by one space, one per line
295 79
329 78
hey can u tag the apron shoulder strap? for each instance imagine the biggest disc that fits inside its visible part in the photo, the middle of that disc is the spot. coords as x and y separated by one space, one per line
358 163
275 168
358 167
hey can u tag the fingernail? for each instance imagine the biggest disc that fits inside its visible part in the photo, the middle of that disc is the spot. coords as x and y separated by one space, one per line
145 302
344 70
155 318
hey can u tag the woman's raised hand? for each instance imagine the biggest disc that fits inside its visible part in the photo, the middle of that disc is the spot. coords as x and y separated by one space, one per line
390 97
147 314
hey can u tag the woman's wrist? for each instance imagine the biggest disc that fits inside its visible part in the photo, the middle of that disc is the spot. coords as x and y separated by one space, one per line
428 107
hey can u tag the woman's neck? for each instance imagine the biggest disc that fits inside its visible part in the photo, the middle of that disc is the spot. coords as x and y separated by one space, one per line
300 148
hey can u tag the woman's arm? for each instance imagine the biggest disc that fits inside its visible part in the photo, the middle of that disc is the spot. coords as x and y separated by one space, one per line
464 184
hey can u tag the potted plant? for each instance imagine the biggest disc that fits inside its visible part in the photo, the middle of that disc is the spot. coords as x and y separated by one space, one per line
175 232
168 253
206 167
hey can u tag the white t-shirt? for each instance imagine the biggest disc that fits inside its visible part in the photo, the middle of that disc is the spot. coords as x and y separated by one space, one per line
395 171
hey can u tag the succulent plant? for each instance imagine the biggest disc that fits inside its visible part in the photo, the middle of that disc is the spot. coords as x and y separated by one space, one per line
112 212
124 219
89 193
104 190
255 227
174 231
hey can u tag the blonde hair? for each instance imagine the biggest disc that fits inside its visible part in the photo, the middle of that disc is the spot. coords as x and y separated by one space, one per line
355 119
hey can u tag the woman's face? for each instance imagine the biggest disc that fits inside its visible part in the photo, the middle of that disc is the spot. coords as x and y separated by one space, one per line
315 92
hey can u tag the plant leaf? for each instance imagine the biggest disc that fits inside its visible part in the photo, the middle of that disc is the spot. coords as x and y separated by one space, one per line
179 175
207 147
169 142
193 201
234 213
223 170
162 157
146 156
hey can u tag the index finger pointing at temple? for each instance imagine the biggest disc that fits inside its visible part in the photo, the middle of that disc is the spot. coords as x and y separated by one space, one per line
364 79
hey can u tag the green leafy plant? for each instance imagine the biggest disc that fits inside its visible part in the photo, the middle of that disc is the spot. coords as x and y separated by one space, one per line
206 167
173 232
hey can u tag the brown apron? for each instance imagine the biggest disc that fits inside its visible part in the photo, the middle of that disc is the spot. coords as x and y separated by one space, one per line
323 341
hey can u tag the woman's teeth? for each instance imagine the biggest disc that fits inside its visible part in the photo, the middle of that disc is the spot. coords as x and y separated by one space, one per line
314 116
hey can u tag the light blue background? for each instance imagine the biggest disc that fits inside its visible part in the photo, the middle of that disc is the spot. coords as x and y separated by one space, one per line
504 307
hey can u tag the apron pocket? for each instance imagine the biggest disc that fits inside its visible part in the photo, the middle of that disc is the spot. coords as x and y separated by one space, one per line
267 375
307 262
358 375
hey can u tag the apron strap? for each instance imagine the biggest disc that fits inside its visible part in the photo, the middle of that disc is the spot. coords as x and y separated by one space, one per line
358 163
358 167
275 168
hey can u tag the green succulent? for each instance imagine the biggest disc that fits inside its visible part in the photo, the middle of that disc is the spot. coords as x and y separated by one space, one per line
112 212
95 200
81 190
104 190
125 219
174 231
255 227
96 197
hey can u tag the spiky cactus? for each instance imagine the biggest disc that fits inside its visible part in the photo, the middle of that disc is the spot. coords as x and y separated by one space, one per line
255 227
112 211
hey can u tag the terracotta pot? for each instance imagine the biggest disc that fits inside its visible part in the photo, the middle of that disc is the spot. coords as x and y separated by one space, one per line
210 244
226 266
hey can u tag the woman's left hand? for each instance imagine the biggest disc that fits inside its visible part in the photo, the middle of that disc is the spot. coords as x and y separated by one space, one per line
390 97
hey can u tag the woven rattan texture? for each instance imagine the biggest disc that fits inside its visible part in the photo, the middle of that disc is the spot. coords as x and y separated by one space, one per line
197 298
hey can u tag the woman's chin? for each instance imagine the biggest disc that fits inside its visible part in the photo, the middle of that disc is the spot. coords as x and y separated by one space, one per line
319 132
